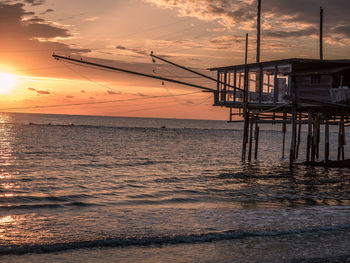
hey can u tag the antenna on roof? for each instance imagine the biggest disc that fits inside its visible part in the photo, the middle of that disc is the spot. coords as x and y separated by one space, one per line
321 33
258 33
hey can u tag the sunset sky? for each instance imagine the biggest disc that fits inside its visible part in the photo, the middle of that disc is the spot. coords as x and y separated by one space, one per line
195 33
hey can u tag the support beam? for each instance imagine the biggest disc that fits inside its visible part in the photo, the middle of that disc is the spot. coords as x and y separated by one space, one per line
326 141
245 135
258 24
299 137
246 49
309 138
257 129
250 139
293 139
284 130
321 33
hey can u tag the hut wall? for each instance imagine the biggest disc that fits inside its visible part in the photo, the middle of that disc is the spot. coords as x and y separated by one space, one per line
314 87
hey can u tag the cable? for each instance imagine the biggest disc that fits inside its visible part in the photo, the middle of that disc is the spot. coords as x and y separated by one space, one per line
96 102
90 80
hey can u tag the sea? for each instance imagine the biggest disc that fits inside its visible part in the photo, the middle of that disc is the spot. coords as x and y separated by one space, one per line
113 189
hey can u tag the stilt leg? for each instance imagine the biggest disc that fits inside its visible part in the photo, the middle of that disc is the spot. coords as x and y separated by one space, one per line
293 139
309 138
284 129
250 140
326 141
298 143
257 129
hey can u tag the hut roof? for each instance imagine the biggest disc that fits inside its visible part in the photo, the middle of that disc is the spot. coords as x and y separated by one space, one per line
299 64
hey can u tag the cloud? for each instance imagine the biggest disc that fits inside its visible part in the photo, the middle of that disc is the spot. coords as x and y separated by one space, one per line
142 52
229 13
69 97
109 92
91 19
297 18
35 19
42 92
47 11
34 2
46 31
218 29
28 40
83 91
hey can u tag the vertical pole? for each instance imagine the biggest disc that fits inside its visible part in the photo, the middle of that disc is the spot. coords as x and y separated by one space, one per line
309 137
313 141
250 140
245 104
258 33
224 91
339 141
318 138
299 135
275 86
260 86
257 129
326 141
246 49
234 85
245 135
321 33
217 99
293 139
342 138
284 129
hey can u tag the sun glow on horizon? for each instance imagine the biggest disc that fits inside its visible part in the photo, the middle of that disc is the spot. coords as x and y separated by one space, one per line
7 82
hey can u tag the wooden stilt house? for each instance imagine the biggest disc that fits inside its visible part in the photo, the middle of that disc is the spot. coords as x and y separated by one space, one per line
289 91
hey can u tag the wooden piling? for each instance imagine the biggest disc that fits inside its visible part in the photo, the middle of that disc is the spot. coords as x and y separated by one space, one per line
341 140
257 129
326 141
250 140
313 141
299 135
309 137
245 135
284 129
318 138
293 139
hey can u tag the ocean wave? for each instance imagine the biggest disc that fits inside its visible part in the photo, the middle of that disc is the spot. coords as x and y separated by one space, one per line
31 198
42 206
161 240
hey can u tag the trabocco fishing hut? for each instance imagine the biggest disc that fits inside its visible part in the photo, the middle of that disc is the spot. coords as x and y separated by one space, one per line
289 91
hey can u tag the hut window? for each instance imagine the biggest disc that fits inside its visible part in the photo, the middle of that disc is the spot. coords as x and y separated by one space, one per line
315 79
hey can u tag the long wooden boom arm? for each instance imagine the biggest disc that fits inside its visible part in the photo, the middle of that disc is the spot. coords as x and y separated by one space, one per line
58 57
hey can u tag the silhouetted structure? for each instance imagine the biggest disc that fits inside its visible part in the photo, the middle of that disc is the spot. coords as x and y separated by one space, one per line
289 91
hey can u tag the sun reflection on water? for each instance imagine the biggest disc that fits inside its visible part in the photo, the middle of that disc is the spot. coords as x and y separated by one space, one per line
6 142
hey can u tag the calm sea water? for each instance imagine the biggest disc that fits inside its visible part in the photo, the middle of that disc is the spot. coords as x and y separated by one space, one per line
109 189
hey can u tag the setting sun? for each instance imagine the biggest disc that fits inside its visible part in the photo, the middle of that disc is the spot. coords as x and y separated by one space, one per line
7 82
